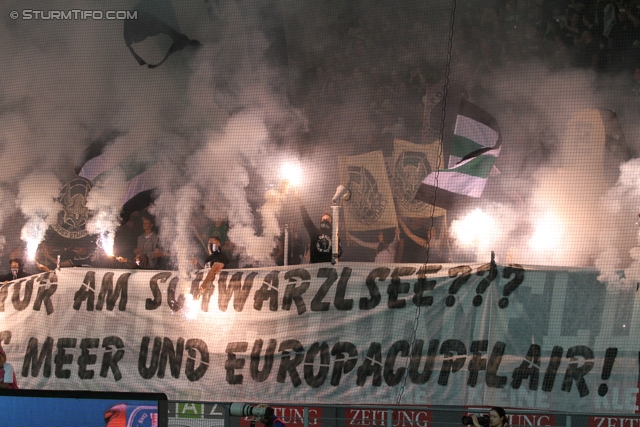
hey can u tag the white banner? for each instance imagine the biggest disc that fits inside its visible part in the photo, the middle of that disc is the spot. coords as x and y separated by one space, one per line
319 334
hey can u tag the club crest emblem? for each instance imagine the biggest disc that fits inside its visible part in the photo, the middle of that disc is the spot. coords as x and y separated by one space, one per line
367 202
411 168
73 217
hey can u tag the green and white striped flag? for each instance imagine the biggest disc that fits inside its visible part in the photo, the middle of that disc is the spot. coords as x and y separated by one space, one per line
472 155
141 176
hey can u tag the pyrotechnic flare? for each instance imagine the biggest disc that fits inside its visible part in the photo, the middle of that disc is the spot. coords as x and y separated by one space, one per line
32 234
191 307
37 200
105 233
475 231
106 243
548 233
105 203
291 173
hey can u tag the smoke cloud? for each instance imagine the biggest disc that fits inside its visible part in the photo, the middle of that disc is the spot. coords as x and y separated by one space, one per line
37 194
219 121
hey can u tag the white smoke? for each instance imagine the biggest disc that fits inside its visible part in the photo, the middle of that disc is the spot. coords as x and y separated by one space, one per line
174 209
259 248
104 202
622 201
36 199
487 229
225 165
221 119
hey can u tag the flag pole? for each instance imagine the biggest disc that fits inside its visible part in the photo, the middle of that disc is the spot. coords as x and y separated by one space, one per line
446 230
335 212
286 244
342 193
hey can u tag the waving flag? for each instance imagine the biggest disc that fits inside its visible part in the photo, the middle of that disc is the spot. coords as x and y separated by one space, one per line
141 177
472 155
155 17
92 163
140 189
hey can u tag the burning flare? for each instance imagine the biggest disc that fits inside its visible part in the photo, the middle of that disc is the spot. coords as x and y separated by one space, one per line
191 307
105 227
548 233
291 172
476 230
32 234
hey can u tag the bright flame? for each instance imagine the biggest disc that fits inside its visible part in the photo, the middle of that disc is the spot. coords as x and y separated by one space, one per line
476 230
104 229
548 232
191 307
107 242
32 247
32 234
291 172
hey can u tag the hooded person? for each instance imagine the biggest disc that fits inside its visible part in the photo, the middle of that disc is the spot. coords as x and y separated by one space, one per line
216 259
7 374
319 237
16 272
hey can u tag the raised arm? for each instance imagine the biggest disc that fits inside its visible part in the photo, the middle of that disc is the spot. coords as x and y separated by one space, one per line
130 264
393 245
306 219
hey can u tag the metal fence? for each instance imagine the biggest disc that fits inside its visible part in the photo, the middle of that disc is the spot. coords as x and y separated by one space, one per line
201 414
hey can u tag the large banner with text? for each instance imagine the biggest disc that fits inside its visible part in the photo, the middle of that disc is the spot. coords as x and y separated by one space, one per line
353 333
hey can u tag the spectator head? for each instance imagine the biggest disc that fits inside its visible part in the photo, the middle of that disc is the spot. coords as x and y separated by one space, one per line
3 357
214 244
148 224
622 14
15 263
326 217
501 415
